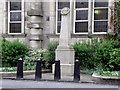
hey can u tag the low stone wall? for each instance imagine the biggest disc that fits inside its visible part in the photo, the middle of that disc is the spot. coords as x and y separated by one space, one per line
105 79
13 74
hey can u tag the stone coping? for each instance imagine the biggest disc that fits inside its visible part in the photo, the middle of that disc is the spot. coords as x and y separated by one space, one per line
104 77
13 74
113 80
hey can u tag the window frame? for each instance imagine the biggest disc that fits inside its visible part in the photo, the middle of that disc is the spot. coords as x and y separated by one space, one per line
57 10
91 9
93 17
80 9
22 18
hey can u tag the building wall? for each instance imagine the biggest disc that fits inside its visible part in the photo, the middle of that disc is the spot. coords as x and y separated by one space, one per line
1 18
47 24
4 31
81 37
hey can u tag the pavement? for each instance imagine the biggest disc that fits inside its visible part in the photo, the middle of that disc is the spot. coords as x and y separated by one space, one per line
8 84
84 78
47 81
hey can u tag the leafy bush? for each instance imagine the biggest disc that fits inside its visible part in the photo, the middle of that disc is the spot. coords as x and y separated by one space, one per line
49 55
96 55
12 51
29 61
102 53
114 62
85 53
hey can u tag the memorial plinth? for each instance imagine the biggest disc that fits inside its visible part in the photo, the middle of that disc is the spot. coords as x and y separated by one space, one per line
64 52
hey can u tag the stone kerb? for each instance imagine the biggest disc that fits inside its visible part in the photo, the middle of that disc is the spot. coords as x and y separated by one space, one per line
105 79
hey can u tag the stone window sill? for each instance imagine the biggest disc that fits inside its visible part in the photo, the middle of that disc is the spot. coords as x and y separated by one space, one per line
13 35
77 35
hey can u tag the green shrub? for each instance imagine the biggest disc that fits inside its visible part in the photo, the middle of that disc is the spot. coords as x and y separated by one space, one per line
49 55
114 62
12 51
84 53
96 55
102 53
29 60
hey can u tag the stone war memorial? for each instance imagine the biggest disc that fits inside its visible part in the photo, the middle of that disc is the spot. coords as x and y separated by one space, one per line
64 51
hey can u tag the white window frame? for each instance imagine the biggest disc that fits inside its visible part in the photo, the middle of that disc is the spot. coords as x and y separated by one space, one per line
75 10
22 18
99 20
90 20
56 31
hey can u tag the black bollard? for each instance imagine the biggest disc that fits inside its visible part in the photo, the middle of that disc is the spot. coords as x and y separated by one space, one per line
77 71
19 69
57 73
38 73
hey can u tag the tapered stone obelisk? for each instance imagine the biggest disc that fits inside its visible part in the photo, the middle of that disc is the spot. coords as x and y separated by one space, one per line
64 52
